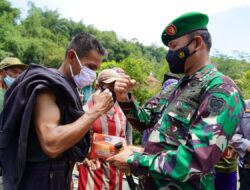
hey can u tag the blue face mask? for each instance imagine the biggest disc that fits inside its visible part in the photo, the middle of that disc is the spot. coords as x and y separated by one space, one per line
8 80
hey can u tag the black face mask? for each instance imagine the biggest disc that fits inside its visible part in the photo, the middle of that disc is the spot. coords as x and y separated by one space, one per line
176 59
113 93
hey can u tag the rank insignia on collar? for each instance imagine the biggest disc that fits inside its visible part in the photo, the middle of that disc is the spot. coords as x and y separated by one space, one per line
171 30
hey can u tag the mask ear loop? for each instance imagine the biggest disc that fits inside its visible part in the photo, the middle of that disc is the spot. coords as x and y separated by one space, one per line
70 68
101 86
82 66
189 44
5 72
79 62
7 75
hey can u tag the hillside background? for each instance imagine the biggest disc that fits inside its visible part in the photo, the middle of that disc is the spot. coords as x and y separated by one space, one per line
43 35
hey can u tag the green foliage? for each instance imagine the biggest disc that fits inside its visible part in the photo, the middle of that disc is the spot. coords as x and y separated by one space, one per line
243 83
237 69
138 69
42 38
43 35
137 137
7 13
230 66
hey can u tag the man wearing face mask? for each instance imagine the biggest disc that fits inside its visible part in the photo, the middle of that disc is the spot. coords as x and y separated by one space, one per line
198 119
43 126
10 69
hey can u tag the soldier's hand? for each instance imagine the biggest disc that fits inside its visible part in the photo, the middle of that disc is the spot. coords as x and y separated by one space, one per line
103 101
120 159
230 153
122 87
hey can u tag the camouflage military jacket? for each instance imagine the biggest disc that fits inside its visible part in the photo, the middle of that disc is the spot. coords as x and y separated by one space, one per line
198 120
152 110
156 105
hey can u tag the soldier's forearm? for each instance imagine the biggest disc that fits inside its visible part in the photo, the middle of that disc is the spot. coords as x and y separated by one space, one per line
139 118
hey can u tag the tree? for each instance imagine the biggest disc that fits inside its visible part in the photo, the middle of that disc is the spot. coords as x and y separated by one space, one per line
138 69
7 13
243 83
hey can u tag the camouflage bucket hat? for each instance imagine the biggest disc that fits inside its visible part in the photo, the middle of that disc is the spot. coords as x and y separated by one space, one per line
11 61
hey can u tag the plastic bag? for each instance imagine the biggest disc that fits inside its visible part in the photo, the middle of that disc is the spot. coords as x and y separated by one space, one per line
105 146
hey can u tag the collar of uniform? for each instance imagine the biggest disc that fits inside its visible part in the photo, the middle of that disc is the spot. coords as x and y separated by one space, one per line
197 76
203 71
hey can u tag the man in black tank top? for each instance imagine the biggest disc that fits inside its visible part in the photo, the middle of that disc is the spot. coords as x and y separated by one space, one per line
43 127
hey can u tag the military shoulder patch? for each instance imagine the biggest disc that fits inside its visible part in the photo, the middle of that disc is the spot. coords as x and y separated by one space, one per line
215 105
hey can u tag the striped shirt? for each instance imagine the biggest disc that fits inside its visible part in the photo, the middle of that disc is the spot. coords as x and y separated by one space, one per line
107 176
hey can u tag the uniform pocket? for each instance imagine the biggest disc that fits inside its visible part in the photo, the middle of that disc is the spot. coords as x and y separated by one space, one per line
182 111
185 106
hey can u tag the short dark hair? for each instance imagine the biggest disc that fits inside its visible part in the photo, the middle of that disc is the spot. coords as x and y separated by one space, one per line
83 43
206 36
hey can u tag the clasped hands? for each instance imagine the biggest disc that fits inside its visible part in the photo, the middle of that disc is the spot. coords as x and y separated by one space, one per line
119 160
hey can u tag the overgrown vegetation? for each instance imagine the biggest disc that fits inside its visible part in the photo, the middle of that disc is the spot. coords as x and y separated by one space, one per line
43 35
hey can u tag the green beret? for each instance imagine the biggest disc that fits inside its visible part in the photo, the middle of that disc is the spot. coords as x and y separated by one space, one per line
184 24
11 61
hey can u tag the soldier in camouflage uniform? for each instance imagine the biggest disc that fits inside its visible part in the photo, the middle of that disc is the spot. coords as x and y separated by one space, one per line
198 119
153 104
